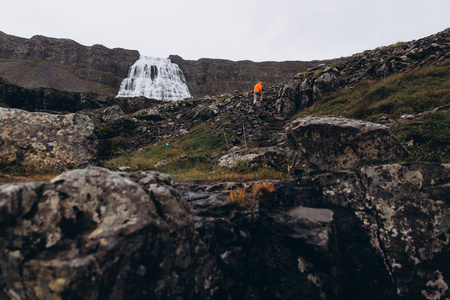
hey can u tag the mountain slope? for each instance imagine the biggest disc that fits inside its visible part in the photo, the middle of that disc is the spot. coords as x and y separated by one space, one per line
63 64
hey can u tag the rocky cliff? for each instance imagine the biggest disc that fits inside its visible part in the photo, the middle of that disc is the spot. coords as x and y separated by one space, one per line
66 65
93 234
63 64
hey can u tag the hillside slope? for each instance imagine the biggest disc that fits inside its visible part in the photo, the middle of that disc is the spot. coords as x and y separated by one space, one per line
405 86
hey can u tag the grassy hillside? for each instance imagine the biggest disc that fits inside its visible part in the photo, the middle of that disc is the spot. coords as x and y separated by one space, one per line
193 158
416 94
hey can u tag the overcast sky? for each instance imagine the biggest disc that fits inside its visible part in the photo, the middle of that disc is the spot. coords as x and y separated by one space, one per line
258 30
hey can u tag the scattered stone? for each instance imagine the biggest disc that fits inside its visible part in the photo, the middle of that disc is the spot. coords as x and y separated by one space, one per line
161 164
148 114
232 159
113 114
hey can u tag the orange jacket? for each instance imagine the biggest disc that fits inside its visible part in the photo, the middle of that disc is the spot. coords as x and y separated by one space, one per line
258 87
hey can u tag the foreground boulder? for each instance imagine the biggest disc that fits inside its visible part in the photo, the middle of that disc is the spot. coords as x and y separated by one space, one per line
333 144
269 250
93 234
405 212
46 141
372 233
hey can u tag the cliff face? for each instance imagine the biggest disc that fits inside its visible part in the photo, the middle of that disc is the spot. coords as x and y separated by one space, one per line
63 64
216 76
66 65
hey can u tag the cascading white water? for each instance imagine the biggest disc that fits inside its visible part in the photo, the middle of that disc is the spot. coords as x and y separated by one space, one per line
155 78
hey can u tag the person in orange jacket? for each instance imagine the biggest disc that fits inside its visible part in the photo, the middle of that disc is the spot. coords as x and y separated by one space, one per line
257 91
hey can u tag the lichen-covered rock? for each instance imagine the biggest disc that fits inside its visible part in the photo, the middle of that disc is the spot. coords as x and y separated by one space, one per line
94 234
332 144
149 114
271 157
406 213
113 114
46 141
232 159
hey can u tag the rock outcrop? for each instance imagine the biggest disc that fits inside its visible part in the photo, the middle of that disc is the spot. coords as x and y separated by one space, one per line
405 212
95 234
273 249
49 99
372 233
46 141
332 144
307 87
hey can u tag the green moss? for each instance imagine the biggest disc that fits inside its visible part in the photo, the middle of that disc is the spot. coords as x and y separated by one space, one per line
428 137
119 144
104 130
398 94
203 139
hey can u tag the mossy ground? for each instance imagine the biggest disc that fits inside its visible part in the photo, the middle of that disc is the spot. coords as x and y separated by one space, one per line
409 93
193 158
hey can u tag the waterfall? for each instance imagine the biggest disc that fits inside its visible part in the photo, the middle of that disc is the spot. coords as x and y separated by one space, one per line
155 78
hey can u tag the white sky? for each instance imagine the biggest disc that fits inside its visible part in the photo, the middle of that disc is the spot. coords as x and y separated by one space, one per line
257 30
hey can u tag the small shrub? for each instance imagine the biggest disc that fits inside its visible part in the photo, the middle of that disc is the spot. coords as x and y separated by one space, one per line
119 144
263 188
240 198
260 194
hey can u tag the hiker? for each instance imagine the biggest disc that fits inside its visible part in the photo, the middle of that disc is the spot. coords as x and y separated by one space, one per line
257 91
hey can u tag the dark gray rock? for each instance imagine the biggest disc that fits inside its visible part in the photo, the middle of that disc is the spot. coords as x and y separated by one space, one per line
270 251
94 234
50 99
328 81
332 144
113 114
405 212
148 114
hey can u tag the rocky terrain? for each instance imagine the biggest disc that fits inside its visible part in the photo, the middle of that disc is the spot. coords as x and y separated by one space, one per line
65 65
217 76
353 221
